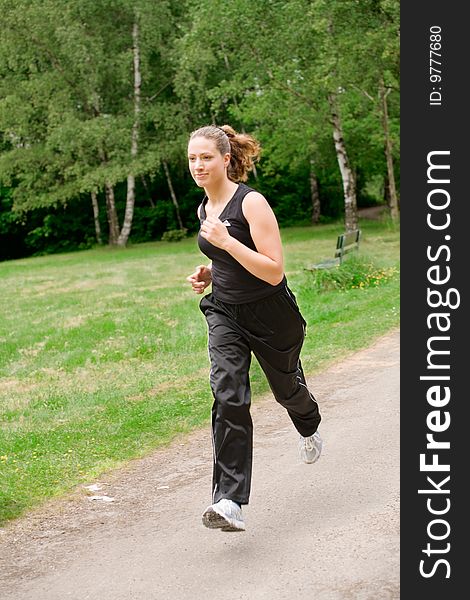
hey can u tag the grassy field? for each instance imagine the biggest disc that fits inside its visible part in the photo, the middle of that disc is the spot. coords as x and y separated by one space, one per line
103 352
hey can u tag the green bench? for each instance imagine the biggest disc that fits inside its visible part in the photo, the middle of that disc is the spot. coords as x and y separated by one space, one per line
346 242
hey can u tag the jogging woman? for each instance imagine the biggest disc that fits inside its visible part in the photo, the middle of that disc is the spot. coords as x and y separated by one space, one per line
250 310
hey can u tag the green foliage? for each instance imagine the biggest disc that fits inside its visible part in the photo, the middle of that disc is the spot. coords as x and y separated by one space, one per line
67 104
60 231
174 235
356 272
45 231
69 121
151 221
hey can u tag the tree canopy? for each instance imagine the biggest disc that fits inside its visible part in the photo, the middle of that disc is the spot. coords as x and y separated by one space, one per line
97 99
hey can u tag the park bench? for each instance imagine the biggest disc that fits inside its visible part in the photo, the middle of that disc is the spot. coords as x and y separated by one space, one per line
346 242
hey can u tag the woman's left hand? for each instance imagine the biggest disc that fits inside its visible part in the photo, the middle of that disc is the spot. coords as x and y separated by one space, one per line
215 232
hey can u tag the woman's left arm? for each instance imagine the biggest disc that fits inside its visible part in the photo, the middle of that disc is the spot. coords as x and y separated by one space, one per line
266 262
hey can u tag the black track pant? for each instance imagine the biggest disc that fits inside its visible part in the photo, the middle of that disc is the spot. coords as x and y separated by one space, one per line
274 330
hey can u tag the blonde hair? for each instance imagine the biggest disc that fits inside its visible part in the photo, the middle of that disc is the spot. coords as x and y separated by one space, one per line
244 150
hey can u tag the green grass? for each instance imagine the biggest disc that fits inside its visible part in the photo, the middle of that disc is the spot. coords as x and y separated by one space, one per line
103 352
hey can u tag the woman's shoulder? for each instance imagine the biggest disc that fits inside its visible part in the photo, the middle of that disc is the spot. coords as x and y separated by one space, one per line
245 192
254 196
245 199
253 199
255 207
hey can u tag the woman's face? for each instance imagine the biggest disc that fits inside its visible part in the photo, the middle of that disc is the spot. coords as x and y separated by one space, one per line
207 166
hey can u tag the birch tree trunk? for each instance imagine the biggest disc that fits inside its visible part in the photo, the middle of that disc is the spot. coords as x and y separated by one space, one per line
314 193
96 217
347 175
111 214
130 198
392 190
172 194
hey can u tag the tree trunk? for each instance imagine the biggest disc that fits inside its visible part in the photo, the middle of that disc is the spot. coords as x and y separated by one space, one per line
149 195
128 213
314 194
386 195
347 175
392 190
111 214
96 217
172 194
130 199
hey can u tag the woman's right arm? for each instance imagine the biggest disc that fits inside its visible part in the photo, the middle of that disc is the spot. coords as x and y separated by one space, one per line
201 278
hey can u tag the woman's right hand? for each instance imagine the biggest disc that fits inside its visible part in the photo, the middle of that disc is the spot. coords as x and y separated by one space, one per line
200 279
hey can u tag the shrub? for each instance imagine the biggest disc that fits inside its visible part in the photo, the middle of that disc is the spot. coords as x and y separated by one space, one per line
355 272
174 235
150 222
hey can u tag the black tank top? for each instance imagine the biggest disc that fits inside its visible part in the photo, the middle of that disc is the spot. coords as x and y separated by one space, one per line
231 282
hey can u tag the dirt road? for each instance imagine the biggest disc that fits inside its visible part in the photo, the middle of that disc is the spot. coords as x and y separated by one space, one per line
328 531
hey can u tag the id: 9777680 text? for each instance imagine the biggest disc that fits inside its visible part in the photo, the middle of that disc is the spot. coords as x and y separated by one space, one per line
435 65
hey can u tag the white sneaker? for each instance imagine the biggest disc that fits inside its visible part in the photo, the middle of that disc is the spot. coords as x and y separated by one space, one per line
225 515
310 447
